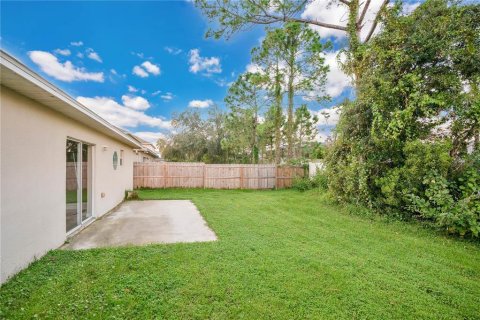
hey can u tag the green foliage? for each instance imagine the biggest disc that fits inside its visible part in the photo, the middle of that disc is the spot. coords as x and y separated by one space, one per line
303 184
293 61
290 61
403 146
421 159
461 216
246 99
319 181
131 195
197 137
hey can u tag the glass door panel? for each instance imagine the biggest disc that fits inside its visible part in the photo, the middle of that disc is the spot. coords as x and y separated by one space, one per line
73 218
78 182
86 172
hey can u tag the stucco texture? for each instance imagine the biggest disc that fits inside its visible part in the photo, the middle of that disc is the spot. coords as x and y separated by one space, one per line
33 172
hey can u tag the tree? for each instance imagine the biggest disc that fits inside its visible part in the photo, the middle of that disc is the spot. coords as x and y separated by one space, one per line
189 142
292 62
197 136
302 55
306 131
403 144
231 16
246 98
215 136
162 144
269 57
266 134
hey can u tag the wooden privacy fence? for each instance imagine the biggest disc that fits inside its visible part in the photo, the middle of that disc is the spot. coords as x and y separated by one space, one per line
215 176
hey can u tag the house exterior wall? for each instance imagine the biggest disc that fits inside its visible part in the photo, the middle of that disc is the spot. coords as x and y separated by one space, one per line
33 173
143 157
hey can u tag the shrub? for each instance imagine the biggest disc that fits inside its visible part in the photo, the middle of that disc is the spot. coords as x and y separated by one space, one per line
302 184
460 216
131 195
320 180
306 183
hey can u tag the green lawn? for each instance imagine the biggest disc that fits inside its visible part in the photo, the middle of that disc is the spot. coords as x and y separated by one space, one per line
280 255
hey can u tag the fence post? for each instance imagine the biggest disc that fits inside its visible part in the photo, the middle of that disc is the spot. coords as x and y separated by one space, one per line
204 174
276 176
241 177
143 175
164 173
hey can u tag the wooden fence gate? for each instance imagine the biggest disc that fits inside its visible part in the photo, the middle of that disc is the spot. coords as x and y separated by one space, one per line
215 176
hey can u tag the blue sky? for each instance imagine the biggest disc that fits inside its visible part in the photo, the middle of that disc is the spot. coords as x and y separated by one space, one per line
135 63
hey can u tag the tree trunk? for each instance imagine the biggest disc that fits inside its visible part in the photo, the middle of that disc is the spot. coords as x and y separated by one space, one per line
253 139
291 94
278 115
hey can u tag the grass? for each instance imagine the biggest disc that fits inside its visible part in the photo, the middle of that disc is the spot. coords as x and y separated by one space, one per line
280 255
72 196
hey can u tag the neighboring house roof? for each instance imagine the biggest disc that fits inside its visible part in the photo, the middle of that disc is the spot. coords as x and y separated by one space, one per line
18 77
147 147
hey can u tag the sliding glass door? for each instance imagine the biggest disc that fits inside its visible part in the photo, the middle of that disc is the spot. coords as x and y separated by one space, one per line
78 182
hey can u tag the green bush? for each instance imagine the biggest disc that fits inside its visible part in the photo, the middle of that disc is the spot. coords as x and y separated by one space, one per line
420 159
456 215
320 181
303 184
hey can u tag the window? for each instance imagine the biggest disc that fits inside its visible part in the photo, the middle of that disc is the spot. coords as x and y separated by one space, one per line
121 157
115 160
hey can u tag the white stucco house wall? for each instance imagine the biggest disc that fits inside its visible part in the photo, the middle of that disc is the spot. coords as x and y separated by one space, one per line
61 166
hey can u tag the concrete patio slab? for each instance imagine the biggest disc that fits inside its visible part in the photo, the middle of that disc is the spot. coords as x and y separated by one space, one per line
145 222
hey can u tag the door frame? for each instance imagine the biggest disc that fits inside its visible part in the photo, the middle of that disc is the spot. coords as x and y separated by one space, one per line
90 185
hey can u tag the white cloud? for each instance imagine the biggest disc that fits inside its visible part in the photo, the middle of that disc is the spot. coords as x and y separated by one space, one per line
173 50
207 65
254 68
327 12
167 97
337 80
223 83
146 68
328 116
120 115
114 75
409 7
337 13
132 89
323 136
80 55
63 52
139 71
149 136
135 102
49 64
156 93
200 103
76 43
91 54
141 55
151 68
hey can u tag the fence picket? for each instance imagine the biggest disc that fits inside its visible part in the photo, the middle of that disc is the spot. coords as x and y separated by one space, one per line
215 176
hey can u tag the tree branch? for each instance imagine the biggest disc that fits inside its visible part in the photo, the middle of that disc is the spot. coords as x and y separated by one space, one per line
286 18
317 23
377 18
364 12
345 2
